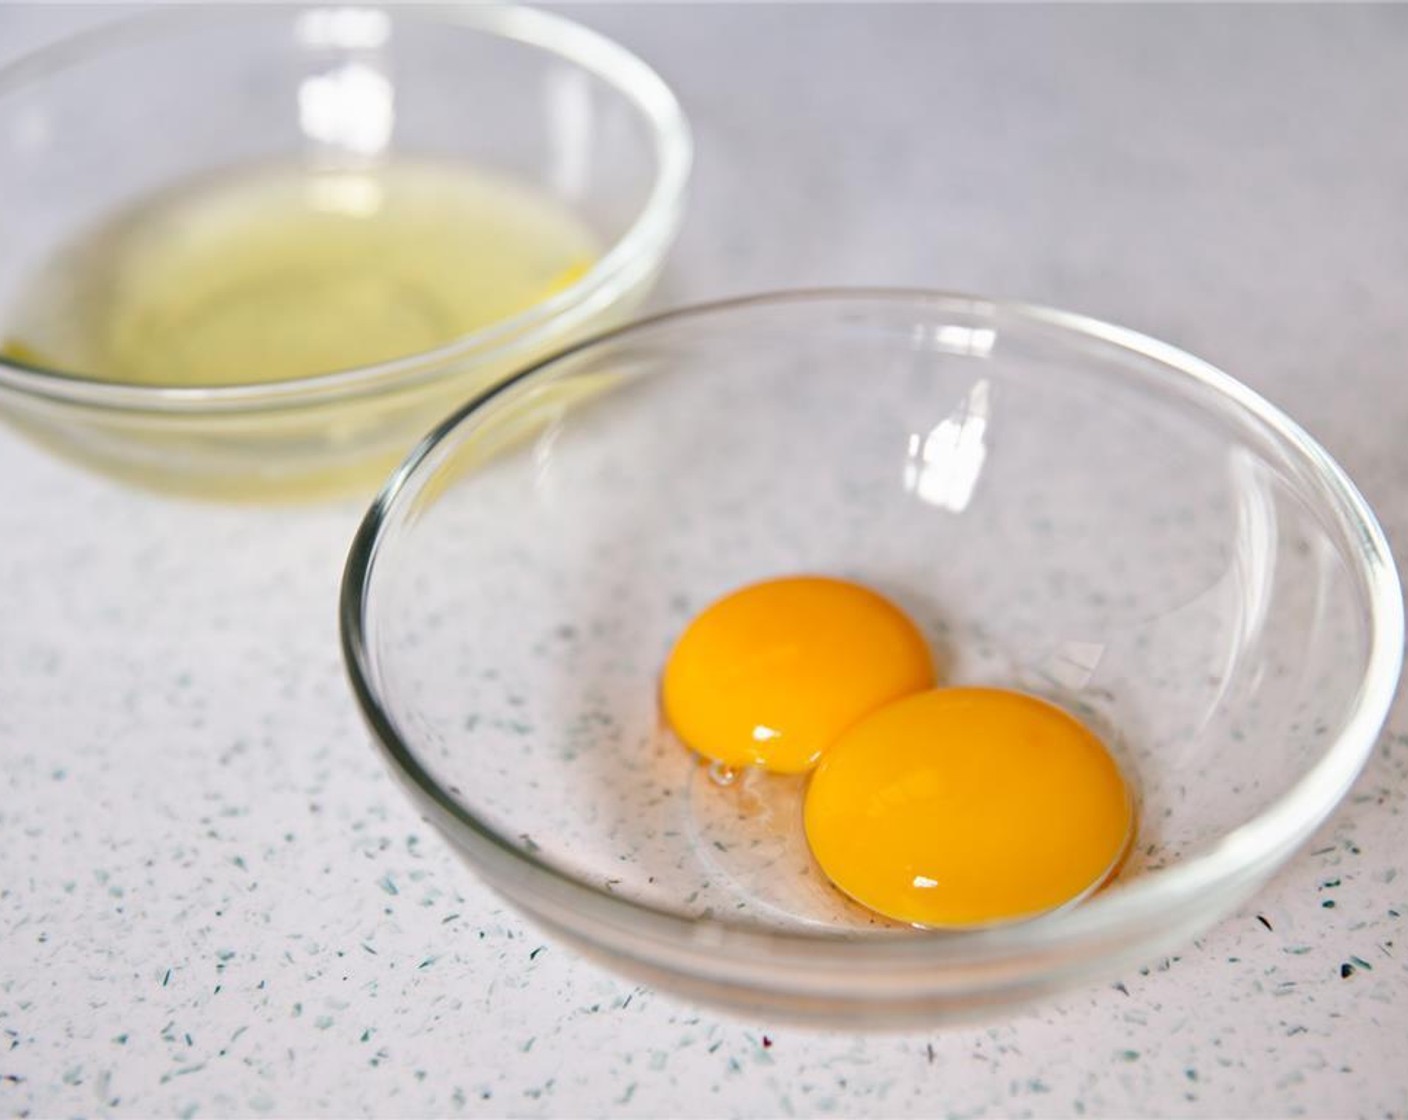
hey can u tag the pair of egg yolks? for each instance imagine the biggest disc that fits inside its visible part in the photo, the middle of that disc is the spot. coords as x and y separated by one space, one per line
941 807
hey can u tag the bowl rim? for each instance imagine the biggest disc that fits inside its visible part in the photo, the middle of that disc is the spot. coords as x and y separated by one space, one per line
1144 906
637 250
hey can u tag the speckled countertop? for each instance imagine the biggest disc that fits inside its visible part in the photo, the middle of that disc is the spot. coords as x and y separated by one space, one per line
214 901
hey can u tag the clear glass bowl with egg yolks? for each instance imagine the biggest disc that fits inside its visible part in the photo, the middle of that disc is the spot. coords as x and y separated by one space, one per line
1064 508
308 152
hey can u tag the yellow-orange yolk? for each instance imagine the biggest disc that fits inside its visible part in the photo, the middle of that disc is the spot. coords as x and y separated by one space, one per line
772 674
967 806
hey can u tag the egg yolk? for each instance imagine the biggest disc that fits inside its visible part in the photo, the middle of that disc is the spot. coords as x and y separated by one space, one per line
967 806
772 674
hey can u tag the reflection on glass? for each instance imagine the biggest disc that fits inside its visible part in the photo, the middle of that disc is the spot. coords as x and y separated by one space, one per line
344 28
1251 575
570 124
349 107
358 196
1254 559
970 342
943 467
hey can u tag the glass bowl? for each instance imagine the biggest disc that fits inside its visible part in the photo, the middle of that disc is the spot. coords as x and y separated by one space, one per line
1067 508
109 118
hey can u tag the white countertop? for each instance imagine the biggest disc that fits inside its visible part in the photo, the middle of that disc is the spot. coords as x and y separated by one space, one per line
213 900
